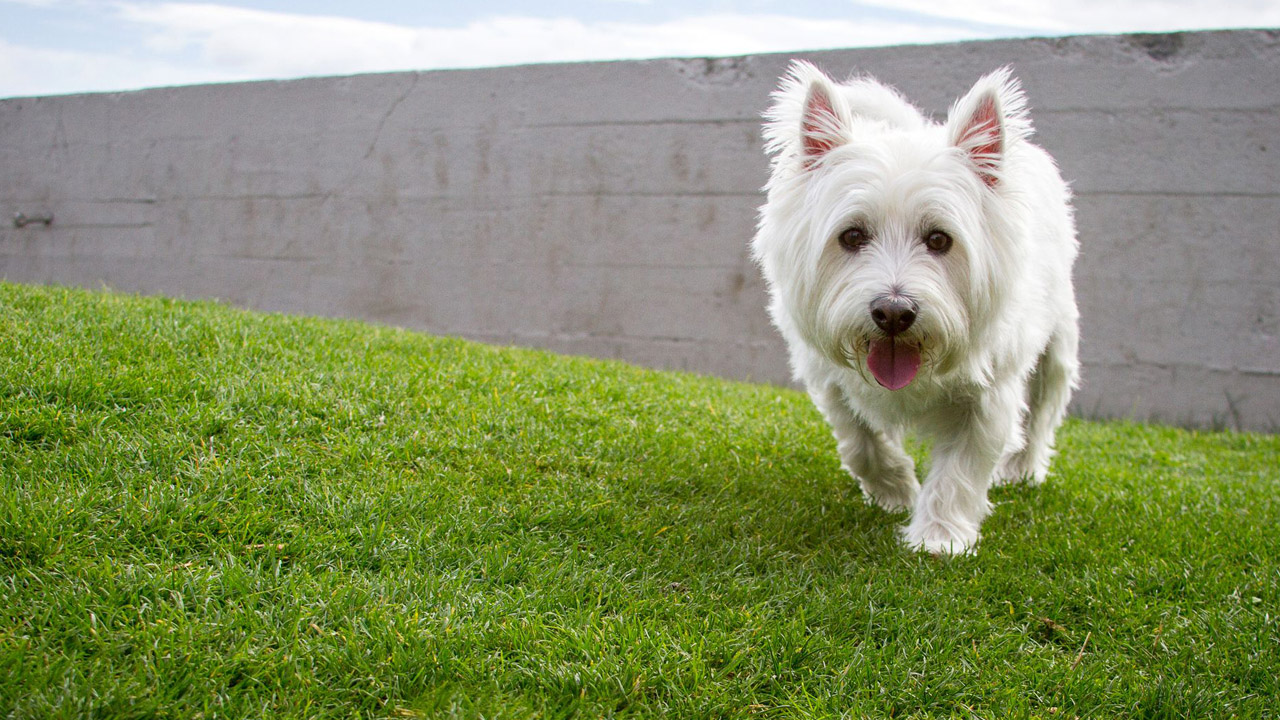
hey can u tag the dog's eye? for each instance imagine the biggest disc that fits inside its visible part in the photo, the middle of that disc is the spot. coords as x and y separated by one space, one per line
852 239
938 242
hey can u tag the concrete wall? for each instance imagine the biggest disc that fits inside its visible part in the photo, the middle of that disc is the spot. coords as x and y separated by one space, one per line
605 208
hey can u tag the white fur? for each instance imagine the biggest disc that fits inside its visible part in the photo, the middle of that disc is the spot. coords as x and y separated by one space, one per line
997 319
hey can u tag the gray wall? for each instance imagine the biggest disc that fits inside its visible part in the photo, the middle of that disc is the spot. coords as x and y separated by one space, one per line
605 209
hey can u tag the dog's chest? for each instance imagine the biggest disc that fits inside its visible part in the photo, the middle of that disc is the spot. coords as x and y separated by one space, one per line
925 405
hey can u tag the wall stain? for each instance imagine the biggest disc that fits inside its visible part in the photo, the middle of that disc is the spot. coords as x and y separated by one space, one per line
714 71
1161 47
441 165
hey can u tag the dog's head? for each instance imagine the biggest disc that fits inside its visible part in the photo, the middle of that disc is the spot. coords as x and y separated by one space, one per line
880 236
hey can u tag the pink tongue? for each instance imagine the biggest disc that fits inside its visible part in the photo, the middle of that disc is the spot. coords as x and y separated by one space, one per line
894 364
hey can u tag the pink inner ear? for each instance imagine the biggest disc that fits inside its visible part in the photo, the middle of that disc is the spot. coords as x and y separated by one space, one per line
818 128
981 140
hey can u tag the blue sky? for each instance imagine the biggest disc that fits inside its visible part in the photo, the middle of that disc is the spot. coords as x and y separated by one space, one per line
63 46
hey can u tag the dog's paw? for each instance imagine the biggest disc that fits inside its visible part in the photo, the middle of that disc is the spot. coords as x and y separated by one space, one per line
894 490
940 539
891 498
1019 469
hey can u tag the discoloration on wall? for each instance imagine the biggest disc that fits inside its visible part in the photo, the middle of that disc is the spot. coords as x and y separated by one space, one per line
605 208
1161 47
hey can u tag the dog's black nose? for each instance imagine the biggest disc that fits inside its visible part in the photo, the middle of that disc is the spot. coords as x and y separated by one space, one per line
893 313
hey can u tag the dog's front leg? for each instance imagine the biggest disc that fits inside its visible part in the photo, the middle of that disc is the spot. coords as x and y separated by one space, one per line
953 502
885 472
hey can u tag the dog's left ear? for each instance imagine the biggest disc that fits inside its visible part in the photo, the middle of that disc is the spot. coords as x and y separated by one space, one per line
987 121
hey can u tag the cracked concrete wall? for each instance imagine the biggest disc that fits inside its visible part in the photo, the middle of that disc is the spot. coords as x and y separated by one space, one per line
605 208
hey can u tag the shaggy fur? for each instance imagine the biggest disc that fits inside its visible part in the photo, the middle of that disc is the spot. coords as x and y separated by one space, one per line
966 227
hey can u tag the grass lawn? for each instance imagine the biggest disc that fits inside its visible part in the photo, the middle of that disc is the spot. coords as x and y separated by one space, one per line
210 513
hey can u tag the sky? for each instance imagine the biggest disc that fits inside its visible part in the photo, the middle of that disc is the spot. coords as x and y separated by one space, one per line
51 47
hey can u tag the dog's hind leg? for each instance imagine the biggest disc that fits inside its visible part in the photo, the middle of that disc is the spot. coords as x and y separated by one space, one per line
1049 389
875 458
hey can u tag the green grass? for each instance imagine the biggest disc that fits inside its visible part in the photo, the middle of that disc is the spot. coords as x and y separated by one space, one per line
214 513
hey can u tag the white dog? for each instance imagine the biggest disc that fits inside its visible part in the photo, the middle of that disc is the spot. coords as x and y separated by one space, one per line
921 276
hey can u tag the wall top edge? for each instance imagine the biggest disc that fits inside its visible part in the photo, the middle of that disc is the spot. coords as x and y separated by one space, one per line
1161 46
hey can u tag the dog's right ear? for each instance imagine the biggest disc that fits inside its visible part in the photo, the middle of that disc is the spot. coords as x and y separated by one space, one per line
805 119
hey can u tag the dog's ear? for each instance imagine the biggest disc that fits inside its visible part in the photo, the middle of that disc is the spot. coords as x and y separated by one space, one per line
987 121
805 119
820 127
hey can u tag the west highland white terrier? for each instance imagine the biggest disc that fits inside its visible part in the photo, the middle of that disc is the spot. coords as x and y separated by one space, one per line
921 276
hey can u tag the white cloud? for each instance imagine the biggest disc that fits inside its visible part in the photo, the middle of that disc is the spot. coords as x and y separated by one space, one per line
26 71
271 44
1100 16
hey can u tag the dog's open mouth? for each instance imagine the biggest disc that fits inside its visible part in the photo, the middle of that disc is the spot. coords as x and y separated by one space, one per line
893 362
